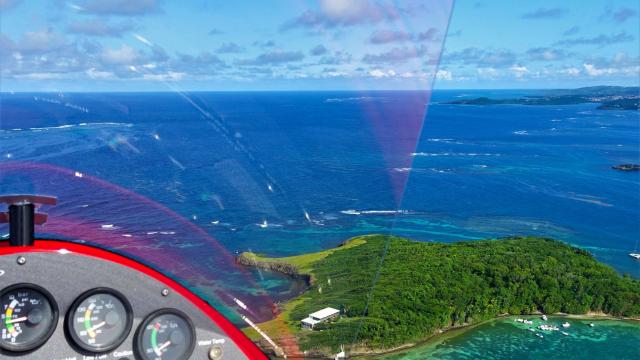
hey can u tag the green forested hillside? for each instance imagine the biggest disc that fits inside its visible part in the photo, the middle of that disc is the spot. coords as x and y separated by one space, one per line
423 287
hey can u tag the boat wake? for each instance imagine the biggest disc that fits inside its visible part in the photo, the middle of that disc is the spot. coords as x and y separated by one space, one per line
376 212
70 126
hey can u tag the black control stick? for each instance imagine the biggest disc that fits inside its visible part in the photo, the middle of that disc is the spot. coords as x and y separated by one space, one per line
22 217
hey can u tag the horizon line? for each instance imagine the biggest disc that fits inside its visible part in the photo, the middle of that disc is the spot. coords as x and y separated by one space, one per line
298 90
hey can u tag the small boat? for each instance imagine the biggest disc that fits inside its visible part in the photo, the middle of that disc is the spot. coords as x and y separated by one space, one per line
519 320
635 255
565 333
548 327
528 322
532 329
565 325
591 325
544 317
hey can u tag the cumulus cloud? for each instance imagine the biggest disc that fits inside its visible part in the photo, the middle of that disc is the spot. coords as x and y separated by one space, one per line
620 65
125 55
334 13
389 36
273 58
119 7
337 58
602 40
230 48
592 70
98 27
481 57
618 60
395 55
487 72
444 75
519 71
204 58
572 71
40 41
377 73
204 63
545 13
546 54
318 50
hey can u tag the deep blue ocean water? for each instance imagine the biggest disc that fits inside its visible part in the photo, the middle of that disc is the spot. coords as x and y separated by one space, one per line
287 173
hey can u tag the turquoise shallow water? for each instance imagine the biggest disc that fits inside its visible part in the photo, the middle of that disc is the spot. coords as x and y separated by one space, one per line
507 339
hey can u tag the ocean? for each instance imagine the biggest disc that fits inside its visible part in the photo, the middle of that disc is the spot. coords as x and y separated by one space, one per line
507 339
285 173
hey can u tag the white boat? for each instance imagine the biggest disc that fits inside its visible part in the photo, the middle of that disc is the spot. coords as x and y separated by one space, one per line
544 317
635 255
519 320
565 325
532 329
548 327
591 324
528 322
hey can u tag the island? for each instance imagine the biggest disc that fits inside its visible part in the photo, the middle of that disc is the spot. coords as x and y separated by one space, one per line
393 293
626 167
609 98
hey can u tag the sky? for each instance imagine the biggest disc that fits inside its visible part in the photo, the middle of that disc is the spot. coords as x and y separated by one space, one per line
156 45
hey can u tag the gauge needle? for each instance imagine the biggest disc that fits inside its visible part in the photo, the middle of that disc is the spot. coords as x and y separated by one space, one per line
98 326
163 346
20 319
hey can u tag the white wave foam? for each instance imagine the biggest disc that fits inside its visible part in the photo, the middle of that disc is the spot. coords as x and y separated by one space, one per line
402 169
441 171
360 98
452 154
375 212
446 141
588 199
521 132
69 126
266 224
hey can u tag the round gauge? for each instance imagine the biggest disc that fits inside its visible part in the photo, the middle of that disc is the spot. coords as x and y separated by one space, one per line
166 335
99 320
29 317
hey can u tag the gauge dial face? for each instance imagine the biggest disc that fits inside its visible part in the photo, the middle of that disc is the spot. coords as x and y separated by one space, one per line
166 335
99 320
29 317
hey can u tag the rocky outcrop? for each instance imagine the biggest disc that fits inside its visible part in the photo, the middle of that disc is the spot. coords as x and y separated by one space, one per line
626 167
249 259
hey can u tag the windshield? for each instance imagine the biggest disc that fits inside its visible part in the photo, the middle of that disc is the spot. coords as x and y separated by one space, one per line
207 139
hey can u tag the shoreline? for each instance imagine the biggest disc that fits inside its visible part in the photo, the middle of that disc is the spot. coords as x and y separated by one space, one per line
297 269
438 339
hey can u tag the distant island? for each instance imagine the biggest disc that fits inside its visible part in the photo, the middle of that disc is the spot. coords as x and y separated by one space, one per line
609 98
424 289
626 167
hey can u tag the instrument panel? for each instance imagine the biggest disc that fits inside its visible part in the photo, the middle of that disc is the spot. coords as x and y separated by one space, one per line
68 301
